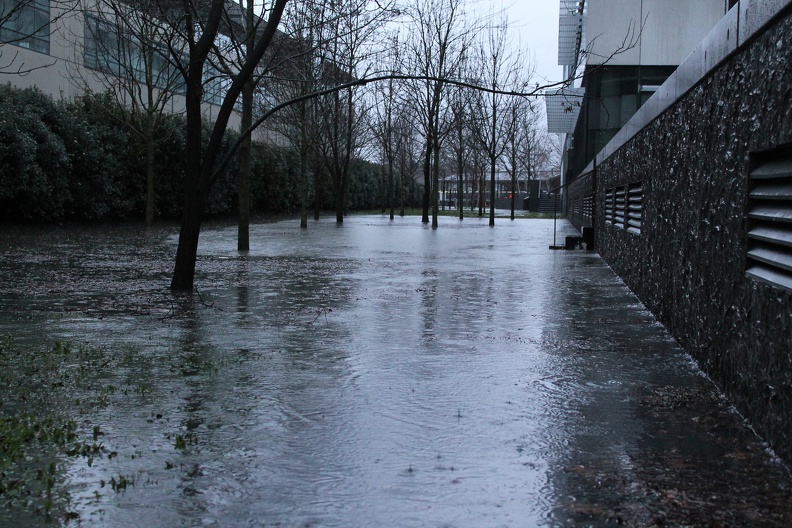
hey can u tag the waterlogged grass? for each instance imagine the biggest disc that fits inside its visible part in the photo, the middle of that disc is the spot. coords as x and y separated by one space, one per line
46 395
55 401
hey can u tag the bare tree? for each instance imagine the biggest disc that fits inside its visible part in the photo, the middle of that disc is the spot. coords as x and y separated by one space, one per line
124 51
437 52
408 149
199 24
383 123
349 32
521 146
201 28
460 144
500 69
297 72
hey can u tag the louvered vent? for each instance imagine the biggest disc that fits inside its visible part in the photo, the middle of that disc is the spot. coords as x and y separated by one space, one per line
770 224
610 204
634 207
620 207
588 206
624 207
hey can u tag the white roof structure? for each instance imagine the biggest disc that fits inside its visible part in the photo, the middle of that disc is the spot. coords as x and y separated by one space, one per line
570 32
563 109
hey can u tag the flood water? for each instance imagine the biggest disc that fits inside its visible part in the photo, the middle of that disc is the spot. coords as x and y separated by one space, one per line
378 373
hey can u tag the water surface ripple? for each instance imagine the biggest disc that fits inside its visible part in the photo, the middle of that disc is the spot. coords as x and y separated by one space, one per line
379 373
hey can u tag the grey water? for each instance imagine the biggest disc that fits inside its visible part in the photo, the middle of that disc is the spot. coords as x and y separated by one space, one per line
375 373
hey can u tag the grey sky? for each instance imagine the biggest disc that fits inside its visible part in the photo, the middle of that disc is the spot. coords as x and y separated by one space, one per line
535 23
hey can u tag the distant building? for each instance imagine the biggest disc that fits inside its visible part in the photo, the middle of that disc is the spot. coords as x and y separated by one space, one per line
622 50
65 48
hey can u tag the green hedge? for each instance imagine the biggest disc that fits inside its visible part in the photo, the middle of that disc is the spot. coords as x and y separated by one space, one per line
76 161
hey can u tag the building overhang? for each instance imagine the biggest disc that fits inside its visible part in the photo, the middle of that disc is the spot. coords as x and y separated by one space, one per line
570 32
563 109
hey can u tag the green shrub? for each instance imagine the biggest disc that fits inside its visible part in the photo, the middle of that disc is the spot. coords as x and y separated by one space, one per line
34 162
81 160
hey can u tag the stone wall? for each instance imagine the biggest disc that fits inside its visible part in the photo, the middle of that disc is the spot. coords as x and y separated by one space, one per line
689 173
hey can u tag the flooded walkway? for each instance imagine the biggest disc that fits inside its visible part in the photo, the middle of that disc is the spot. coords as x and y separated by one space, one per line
374 374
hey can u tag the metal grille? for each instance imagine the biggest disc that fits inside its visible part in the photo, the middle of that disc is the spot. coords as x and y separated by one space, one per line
770 224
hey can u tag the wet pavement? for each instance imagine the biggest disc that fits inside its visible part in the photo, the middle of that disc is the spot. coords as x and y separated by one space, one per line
372 374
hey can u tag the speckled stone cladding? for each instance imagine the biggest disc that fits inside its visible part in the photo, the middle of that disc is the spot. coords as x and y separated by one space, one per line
688 263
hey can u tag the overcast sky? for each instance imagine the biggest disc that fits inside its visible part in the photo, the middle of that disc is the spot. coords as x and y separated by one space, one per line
536 24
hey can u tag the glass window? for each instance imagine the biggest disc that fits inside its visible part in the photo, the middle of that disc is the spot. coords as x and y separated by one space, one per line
110 51
101 46
26 23
215 85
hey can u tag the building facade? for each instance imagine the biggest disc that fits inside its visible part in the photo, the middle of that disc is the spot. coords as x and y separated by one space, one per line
67 48
616 53
691 205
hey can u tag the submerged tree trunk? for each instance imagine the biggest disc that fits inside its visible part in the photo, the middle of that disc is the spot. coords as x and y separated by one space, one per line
427 194
201 163
391 197
150 164
303 168
303 194
461 196
513 193
435 184
194 197
492 193
481 195
243 234
401 191
187 252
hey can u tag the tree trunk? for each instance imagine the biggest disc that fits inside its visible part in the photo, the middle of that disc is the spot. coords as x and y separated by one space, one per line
401 191
481 194
194 202
339 208
460 171
187 252
243 234
461 196
435 184
513 193
492 192
303 168
427 195
391 197
150 164
303 192
200 162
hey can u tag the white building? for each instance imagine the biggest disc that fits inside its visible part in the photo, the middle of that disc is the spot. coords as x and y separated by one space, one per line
616 53
60 47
